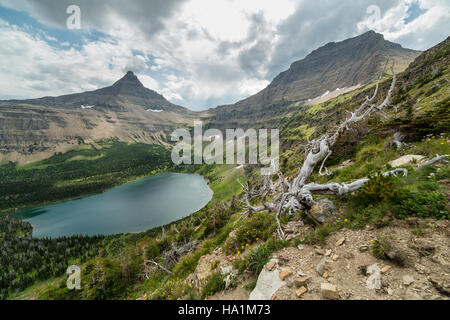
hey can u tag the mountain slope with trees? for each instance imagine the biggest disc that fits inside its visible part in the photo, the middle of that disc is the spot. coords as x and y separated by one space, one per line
220 237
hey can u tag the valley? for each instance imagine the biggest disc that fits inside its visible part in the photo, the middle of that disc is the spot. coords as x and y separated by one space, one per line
222 249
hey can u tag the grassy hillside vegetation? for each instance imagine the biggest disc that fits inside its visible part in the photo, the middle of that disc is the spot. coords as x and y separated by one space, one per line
89 169
25 260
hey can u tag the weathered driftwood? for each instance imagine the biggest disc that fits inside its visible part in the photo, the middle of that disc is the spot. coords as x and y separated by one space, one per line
298 194
172 256
146 269
436 159
397 140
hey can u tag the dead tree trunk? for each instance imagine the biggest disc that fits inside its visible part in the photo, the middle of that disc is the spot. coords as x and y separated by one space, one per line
298 194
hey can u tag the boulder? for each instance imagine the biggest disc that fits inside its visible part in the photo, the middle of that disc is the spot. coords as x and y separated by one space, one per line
374 281
329 291
321 266
408 159
322 209
267 284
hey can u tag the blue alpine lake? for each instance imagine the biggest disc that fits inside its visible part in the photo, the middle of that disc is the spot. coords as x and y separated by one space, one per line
134 207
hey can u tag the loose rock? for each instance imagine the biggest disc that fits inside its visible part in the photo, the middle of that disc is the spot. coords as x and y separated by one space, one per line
374 281
286 273
301 291
271 265
329 291
301 282
321 266
385 269
363 248
340 242
407 280
322 209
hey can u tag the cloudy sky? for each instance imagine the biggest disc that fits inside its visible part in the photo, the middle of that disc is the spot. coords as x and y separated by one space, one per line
197 53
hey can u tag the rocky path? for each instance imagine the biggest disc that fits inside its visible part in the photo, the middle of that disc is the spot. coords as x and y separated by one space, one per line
345 268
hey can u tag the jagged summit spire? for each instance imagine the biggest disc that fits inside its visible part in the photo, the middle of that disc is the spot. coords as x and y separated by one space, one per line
130 80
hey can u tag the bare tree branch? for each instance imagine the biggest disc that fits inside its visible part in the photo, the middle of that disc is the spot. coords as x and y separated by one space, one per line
298 195
436 159
159 266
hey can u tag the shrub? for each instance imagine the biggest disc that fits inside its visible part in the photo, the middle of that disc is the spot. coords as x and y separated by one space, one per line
214 284
102 280
422 205
171 289
378 188
259 226
381 248
152 250
258 258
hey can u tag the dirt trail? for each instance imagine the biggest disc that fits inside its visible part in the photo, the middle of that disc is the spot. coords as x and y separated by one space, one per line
424 275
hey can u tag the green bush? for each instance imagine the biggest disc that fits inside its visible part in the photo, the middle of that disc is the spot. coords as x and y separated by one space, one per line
379 188
214 284
102 280
258 258
152 251
422 205
172 289
381 248
259 226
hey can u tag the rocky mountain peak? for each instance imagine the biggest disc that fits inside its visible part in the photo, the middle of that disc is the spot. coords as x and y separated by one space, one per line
328 70
128 82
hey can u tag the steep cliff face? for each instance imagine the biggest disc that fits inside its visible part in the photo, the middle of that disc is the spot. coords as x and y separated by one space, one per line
335 66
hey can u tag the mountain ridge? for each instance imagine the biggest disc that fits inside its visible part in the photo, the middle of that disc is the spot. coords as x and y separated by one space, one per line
127 90
349 63
128 111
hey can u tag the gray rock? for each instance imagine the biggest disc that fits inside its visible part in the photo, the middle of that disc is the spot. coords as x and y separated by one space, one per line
407 280
374 281
321 266
267 284
323 209
329 291
412 295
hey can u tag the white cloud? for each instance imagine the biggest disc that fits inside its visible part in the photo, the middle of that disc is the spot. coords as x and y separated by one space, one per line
420 33
198 53
31 67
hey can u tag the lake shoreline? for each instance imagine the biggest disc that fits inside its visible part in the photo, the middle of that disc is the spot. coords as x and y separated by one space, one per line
9 213
136 216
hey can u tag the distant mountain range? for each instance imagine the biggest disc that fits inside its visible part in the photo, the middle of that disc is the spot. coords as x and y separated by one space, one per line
125 93
36 128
